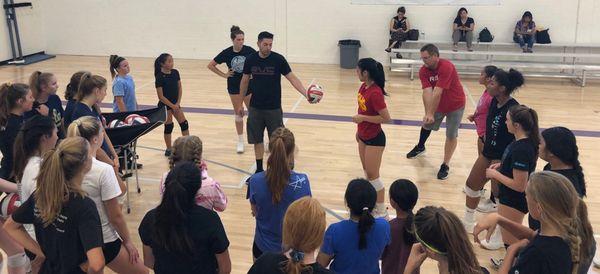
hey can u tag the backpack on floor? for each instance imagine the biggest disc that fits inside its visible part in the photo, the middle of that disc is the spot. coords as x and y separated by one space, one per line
485 36
543 37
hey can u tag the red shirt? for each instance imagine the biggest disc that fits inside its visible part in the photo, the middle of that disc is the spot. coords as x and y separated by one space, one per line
370 102
445 77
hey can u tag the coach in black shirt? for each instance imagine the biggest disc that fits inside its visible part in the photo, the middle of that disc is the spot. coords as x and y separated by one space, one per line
265 68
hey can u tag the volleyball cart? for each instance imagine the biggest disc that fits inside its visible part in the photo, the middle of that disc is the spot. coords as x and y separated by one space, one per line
124 140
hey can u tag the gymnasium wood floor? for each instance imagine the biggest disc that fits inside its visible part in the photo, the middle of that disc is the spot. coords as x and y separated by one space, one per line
328 151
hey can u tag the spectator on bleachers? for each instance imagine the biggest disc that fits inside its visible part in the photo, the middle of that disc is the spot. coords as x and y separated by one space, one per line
462 29
525 32
399 27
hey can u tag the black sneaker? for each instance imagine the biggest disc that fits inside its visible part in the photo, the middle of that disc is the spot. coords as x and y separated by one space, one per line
416 151
167 152
443 173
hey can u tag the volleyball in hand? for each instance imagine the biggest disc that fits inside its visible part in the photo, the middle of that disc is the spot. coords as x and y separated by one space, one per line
314 93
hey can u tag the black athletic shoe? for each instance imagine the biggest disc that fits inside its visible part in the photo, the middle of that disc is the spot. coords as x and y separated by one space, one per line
167 152
443 173
416 151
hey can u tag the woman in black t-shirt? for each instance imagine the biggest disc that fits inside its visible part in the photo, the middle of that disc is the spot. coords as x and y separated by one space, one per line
168 89
496 139
399 27
519 160
554 248
15 100
303 229
180 236
558 147
462 29
235 57
67 225
43 88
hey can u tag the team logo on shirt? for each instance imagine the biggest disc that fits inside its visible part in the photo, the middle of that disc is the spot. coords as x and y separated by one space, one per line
298 182
362 102
268 71
433 79
237 63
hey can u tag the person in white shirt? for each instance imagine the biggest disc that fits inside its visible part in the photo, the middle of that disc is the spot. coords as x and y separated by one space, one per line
102 187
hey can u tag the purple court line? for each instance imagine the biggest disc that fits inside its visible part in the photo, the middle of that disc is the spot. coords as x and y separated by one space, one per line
340 118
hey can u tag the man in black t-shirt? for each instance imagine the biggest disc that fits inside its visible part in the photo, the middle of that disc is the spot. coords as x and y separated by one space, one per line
265 69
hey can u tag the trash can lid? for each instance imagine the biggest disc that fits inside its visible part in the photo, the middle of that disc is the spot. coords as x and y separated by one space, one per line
349 42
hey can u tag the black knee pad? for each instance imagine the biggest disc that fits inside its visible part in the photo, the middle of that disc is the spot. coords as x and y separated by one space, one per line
169 128
184 125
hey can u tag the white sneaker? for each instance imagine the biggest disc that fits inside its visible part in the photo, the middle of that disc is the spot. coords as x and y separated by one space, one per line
487 206
469 226
240 147
381 212
495 242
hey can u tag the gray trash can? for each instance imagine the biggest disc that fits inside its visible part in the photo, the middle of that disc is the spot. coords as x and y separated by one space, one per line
348 53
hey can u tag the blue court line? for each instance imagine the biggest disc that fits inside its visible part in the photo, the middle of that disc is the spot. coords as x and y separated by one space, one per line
340 118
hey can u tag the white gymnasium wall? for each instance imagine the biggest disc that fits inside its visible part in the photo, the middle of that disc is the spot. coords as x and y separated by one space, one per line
31 30
305 31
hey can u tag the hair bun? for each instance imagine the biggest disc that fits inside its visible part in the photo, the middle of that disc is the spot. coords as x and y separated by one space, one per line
234 28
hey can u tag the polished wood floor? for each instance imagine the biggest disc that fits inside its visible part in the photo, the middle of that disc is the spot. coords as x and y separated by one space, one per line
328 151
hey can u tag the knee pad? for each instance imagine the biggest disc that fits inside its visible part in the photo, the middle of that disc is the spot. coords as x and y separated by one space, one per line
377 184
184 125
239 118
169 128
17 260
472 193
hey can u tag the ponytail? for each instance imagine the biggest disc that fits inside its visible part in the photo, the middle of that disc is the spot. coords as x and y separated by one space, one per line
158 63
361 198
375 70
528 119
405 194
365 222
586 233
442 232
73 85
278 171
114 62
181 186
511 80
561 142
27 142
86 127
88 83
37 80
303 229
10 94
58 169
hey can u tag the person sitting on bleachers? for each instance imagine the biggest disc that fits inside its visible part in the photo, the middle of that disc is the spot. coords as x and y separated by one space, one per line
399 27
525 32
462 28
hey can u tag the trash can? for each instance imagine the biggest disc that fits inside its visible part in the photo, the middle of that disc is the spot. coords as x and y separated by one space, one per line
348 53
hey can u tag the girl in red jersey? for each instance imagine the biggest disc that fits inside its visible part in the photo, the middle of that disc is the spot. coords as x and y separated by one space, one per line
372 112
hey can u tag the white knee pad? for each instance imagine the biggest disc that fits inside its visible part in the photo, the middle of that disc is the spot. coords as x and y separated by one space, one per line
377 184
239 118
473 193
17 260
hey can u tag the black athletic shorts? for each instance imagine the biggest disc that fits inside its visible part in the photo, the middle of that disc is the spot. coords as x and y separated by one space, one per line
111 250
514 199
259 119
377 141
